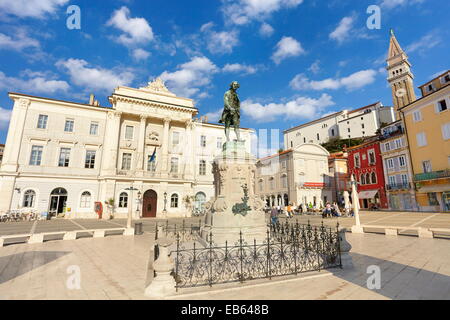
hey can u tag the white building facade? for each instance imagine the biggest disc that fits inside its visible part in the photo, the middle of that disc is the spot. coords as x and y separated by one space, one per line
64 158
295 176
362 122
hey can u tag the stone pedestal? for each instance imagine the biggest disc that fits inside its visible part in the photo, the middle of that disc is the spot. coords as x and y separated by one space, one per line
163 284
235 208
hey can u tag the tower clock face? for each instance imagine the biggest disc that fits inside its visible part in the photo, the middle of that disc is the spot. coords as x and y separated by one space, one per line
400 92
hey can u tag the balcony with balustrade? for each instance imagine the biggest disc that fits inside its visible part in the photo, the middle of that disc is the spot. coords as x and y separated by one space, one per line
432 175
398 186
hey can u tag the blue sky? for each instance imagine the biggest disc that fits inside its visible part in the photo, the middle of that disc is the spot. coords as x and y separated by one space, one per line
296 60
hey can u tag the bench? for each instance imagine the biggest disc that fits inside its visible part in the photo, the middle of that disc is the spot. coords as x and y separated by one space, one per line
394 230
67 235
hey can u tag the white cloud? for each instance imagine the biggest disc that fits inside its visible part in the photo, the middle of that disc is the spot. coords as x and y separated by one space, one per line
299 108
5 115
35 82
190 76
342 31
287 47
219 42
390 4
140 54
354 81
315 68
136 30
214 116
19 42
83 75
30 8
241 12
428 41
266 30
239 68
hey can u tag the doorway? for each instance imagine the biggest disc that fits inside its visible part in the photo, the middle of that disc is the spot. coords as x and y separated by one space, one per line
58 199
149 204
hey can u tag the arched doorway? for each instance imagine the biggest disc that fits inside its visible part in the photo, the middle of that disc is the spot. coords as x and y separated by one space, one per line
58 199
149 204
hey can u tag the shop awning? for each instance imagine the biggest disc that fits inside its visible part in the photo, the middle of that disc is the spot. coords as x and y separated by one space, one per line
435 188
368 194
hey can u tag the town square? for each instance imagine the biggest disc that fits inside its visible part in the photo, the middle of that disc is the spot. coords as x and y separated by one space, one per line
249 150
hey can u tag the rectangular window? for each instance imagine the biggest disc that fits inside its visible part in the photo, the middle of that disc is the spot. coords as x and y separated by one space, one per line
445 79
417 116
372 159
398 143
390 163
90 159
174 165
64 157
36 155
42 121
404 179
219 143
426 166
421 139
93 131
203 141
318 137
129 132
432 199
356 158
387 146
392 180
446 131
442 105
202 168
68 127
126 161
175 138
402 161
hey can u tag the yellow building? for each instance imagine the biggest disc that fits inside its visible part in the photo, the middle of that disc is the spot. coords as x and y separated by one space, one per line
427 122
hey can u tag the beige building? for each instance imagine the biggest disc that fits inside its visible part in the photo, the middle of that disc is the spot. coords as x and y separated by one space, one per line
337 166
2 148
362 122
63 157
295 176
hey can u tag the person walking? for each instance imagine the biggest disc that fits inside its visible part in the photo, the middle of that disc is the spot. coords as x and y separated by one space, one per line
289 211
274 215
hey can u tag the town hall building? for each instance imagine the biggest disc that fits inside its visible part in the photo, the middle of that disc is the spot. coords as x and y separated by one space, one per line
147 153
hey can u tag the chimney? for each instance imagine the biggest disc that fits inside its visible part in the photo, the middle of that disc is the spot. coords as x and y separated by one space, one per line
91 99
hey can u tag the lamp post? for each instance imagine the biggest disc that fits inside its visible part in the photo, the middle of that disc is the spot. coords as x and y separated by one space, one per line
355 199
130 206
18 200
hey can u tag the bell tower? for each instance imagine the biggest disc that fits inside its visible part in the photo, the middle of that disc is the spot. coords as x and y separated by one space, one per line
400 76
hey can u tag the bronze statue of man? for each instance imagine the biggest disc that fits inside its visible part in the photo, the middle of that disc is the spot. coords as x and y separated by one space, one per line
231 114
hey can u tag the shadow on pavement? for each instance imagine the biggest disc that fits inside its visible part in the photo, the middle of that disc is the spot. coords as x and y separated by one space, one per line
15 265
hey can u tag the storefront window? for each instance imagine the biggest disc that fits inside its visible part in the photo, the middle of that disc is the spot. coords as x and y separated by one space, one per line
432 199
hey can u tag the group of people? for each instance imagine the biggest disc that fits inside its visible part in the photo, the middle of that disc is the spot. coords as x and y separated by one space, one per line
330 210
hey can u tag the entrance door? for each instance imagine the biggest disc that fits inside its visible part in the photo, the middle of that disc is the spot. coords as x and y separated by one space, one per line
58 199
149 204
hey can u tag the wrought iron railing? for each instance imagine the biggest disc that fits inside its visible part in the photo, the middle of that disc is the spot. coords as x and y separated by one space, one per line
432 175
398 186
288 249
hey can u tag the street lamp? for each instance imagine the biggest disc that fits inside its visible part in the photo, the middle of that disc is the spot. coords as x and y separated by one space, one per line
130 205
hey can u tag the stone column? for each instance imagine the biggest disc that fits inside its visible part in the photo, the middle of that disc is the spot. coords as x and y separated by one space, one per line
189 168
165 147
111 148
141 144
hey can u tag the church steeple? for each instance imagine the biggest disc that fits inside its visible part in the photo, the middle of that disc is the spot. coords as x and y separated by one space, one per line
400 76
